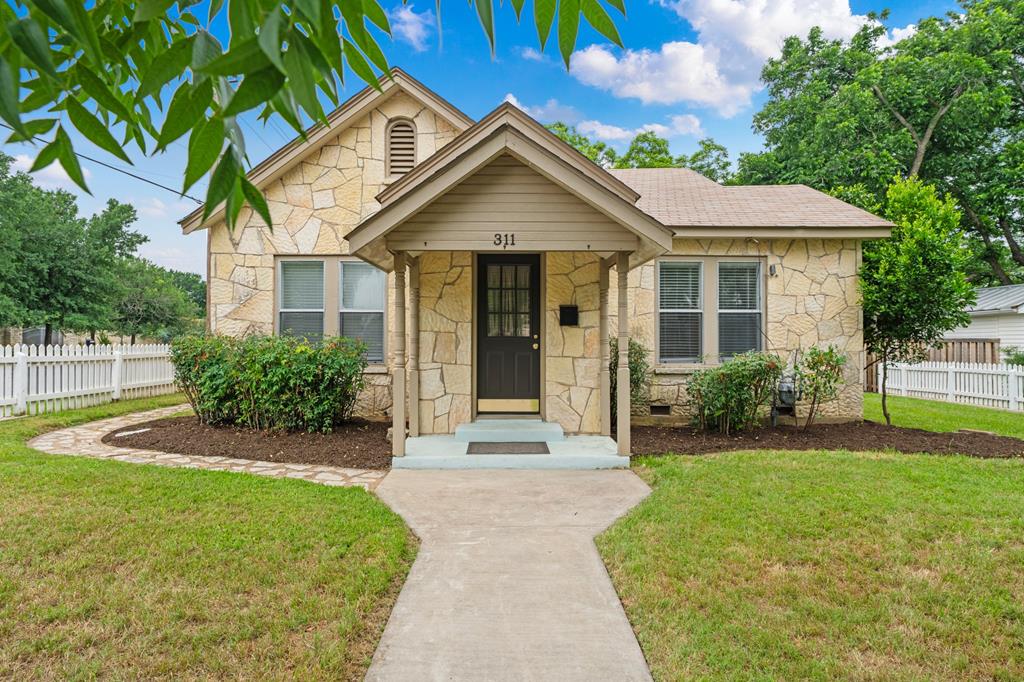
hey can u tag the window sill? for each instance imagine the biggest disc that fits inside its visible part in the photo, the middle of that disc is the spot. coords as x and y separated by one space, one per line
682 367
376 368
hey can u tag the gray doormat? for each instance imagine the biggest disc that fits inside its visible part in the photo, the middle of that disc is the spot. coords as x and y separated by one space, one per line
539 448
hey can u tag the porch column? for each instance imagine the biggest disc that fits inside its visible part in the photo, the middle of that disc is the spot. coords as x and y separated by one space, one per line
622 406
414 347
606 382
398 370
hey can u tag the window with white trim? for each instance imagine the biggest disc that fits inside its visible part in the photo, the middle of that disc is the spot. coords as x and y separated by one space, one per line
680 311
362 304
401 146
301 310
739 307
709 309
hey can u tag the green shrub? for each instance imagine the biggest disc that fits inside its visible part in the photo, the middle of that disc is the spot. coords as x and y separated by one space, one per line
639 374
1013 355
732 396
270 382
819 376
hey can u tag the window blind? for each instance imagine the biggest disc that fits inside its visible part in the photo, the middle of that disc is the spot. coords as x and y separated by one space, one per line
680 311
362 306
302 299
739 307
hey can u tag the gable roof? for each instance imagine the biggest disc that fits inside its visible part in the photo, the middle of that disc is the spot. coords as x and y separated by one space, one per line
689 202
507 130
350 111
999 299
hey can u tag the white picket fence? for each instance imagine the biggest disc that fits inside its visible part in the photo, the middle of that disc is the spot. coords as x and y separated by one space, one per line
968 383
36 379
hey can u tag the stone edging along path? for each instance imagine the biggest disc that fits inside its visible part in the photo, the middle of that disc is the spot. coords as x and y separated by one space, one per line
85 440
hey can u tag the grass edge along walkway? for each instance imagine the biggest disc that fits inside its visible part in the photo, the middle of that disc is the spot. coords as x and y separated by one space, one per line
825 565
126 570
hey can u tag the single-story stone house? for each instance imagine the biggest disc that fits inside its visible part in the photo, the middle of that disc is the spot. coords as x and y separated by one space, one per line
487 264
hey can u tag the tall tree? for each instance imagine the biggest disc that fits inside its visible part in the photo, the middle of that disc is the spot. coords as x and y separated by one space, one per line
944 104
59 269
710 160
150 303
102 67
913 285
647 150
193 286
596 151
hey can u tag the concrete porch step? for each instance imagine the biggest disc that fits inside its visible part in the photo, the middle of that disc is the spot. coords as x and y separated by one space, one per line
573 452
509 431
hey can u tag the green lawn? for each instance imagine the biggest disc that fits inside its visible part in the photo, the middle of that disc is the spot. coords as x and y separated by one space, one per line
125 571
823 565
933 415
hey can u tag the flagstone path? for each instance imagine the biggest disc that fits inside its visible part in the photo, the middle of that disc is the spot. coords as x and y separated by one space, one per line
86 440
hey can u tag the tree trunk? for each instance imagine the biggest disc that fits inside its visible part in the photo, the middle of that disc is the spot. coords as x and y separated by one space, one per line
1015 250
48 335
132 342
885 379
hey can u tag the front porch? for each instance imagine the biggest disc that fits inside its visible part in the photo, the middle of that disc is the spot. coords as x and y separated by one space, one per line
507 440
443 375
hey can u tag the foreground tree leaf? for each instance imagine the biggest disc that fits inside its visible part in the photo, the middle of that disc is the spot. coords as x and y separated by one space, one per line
115 59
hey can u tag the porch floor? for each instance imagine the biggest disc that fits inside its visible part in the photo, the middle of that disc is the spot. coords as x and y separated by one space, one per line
570 452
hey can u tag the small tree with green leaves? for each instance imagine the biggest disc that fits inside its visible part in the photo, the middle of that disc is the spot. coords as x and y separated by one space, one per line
820 376
913 284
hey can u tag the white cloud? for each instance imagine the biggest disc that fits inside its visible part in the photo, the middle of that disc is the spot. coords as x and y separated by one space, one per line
411 26
683 124
896 35
721 69
531 54
549 112
52 177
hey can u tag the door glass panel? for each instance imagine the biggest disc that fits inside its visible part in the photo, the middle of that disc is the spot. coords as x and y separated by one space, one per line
508 300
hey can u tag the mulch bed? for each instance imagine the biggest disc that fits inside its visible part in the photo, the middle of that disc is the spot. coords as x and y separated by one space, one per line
855 436
355 445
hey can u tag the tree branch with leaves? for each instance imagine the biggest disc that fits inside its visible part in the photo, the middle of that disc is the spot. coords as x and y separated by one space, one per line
103 70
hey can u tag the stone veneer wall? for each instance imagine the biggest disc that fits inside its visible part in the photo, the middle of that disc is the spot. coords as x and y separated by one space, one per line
314 206
446 340
812 300
572 394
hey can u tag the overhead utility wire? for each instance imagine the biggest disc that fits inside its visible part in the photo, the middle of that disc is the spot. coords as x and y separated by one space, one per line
119 170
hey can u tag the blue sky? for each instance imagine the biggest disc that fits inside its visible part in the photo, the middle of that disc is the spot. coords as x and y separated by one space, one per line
689 70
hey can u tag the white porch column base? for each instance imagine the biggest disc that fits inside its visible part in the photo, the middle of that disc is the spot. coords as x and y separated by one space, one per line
622 406
398 396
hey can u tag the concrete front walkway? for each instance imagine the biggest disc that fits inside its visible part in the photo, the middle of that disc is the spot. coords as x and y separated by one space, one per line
508 584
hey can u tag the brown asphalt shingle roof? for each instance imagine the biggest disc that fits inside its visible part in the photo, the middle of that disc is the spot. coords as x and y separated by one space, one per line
679 197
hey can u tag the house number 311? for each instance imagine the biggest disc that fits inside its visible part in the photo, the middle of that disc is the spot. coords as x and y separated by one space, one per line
505 240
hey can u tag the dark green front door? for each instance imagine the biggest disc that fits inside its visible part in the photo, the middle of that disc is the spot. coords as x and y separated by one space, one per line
508 333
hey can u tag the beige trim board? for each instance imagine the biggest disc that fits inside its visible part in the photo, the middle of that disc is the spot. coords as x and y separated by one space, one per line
524 405
285 158
734 232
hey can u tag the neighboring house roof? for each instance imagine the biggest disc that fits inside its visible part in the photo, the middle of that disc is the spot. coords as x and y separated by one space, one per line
350 111
999 299
676 201
506 130
682 198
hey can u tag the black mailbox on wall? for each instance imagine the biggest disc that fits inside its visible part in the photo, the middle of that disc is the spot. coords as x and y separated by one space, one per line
569 315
